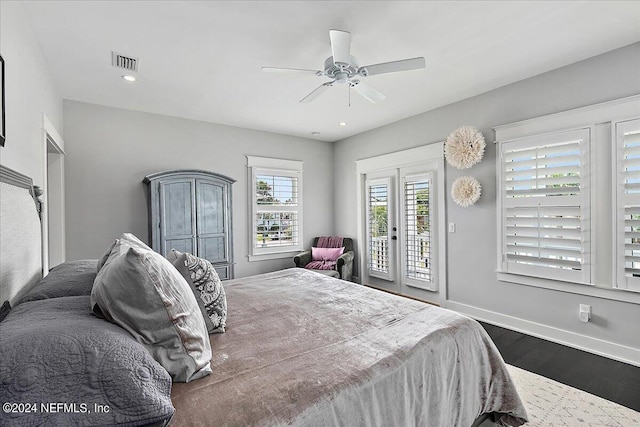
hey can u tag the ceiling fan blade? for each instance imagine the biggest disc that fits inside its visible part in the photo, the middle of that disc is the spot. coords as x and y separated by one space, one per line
292 70
340 46
393 66
316 92
367 91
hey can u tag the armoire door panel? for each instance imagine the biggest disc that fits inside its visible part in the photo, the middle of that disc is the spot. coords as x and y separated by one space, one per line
213 249
182 245
178 209
211 209
223 272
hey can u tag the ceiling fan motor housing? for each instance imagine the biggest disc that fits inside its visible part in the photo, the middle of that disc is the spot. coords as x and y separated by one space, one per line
340 71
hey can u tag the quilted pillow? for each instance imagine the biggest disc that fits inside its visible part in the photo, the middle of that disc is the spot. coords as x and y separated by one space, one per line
206 286
55 350
72 278
143 293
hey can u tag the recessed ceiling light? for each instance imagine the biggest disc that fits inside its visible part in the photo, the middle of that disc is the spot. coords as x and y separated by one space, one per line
342 123
129 78
315 133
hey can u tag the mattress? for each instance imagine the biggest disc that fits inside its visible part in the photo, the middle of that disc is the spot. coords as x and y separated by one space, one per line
305 349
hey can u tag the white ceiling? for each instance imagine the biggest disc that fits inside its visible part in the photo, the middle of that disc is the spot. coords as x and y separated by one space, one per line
201 60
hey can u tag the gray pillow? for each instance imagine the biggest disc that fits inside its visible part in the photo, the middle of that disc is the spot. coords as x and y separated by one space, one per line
206 286
72 278
142 292
120 246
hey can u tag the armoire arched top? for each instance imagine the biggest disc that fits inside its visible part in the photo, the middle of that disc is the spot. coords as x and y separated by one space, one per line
177 173
190 211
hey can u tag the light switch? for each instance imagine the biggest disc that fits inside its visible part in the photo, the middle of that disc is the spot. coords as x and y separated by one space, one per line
452 227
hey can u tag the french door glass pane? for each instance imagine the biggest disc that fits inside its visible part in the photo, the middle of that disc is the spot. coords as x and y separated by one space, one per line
378 225
417 230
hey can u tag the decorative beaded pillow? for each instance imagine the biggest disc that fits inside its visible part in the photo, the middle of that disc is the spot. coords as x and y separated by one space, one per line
206 286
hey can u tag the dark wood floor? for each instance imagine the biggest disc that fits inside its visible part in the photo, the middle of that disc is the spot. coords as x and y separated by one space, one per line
609 379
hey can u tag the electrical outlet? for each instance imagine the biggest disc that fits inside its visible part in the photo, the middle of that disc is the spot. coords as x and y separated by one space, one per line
584 313
452 227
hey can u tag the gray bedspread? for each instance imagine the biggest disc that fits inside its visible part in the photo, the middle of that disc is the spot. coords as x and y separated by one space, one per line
308 350
62 366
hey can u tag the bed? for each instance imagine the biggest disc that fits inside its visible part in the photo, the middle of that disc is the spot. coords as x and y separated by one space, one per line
299 348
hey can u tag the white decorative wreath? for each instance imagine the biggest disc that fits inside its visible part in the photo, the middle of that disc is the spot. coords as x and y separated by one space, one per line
466 191
464 147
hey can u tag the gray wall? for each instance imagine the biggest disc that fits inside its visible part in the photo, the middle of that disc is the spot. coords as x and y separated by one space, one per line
109 152
30 92
471 251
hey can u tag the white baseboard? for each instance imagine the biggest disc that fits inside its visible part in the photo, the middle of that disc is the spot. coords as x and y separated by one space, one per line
582 342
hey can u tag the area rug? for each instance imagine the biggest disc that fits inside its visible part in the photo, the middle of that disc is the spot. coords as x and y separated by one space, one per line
552 404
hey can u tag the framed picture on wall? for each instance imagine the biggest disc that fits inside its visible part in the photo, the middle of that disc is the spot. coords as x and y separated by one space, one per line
3 133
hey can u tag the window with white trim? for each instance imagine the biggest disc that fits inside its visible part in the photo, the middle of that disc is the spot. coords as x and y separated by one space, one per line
545 200
276 205
568 193
627 135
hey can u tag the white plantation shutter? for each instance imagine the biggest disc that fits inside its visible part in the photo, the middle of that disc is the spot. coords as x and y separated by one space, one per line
628 204
417 224
545 206
378 237
276 205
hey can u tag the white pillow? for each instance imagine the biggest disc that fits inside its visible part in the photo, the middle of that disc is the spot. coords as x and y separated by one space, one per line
142 292
120 246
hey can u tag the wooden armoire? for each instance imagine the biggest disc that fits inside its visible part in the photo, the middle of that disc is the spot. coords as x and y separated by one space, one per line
190 211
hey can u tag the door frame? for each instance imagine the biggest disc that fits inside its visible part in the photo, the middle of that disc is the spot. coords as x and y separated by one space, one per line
53 209
431 153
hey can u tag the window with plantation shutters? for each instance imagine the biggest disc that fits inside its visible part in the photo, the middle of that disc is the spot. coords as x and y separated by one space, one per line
276 210
544 195
276 199
628 204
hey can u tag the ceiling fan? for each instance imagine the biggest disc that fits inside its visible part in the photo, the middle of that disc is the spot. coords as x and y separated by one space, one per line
343 68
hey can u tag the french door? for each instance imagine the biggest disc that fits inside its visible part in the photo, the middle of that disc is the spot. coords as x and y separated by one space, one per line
400 229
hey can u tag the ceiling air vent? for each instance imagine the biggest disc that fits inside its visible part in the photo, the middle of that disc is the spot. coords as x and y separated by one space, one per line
124 62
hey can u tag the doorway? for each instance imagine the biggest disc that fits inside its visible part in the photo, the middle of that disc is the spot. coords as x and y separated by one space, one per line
53 213
401 223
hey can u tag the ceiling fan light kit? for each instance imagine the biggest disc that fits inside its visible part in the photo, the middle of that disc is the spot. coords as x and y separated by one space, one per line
342 68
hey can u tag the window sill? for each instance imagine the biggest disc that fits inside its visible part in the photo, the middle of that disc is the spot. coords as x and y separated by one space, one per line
574 288
277 255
